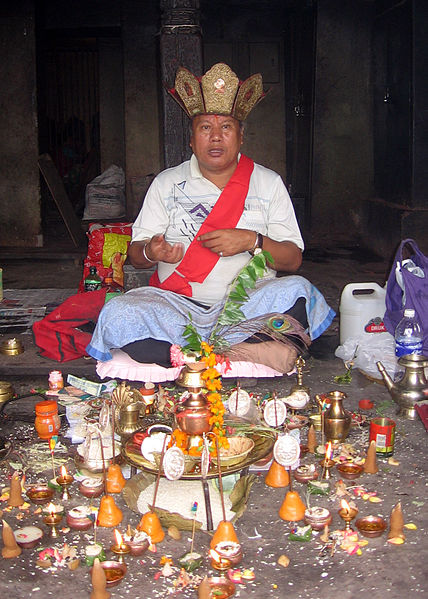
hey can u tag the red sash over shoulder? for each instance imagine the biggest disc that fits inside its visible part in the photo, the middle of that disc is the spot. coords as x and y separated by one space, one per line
198 261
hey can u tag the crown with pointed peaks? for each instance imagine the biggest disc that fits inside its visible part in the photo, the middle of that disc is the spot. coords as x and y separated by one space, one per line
219 91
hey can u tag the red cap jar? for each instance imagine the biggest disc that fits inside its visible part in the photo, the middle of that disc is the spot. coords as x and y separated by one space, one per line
47 421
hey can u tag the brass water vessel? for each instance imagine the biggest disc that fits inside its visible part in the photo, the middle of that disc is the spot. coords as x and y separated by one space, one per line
337 421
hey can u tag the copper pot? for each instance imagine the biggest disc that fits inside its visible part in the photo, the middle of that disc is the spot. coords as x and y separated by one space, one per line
193 415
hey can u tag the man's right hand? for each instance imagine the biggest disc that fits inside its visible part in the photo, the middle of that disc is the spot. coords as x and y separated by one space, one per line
157 249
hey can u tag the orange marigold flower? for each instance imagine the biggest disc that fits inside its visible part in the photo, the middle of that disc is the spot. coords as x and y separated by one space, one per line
206 347
210 360
210 373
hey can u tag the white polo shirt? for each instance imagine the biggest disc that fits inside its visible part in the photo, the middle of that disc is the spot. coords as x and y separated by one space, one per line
179 200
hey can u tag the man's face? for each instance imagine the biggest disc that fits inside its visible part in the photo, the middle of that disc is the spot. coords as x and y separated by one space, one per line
216 141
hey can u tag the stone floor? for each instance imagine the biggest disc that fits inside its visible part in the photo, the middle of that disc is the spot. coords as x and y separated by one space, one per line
381 568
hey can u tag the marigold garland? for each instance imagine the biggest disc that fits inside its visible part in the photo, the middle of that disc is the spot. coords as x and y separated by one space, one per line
212 379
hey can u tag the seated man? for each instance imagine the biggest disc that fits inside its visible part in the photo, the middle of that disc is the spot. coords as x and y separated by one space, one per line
201 222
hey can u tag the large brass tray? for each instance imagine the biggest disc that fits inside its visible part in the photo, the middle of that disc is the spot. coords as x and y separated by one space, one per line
262 447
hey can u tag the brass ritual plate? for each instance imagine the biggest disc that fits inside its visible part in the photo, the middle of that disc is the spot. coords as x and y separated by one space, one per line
262 447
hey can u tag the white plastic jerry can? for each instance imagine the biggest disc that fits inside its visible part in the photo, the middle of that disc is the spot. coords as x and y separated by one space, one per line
362 308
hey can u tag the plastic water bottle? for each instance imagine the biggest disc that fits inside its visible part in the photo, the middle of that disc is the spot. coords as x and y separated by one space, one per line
408 335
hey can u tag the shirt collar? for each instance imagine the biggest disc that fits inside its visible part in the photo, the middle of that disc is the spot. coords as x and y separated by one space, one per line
195 171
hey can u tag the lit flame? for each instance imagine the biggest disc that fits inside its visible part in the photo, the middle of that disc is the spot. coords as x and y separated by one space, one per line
63 471
51 509
345 506
119 538
328 451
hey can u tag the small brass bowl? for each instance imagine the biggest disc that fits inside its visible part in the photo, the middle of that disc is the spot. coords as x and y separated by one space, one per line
371 526
114 572
349 471
40 494
315 419
221 587
11 347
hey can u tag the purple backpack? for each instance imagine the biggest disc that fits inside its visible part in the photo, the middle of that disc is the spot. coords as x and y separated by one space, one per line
415 292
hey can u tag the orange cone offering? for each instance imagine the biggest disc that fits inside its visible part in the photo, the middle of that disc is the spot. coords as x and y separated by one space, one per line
99 582
15 492
277 476
115 479
224 532
109 514
292 508
10 546
370 465
150 524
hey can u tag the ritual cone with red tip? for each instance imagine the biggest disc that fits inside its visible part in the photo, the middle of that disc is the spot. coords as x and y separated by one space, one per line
150 524
292 508
277 476
225 532
109 514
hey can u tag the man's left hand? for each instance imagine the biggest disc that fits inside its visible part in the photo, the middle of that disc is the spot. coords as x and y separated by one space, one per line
228 242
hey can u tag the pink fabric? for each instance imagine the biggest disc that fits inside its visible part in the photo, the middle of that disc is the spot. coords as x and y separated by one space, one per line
124 367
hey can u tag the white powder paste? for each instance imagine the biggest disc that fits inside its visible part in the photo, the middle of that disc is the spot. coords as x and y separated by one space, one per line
179 496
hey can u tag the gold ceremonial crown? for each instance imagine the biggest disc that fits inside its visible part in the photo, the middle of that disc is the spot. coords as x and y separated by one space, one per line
219 91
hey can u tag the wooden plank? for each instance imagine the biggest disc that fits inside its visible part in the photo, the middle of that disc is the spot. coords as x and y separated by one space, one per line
60 197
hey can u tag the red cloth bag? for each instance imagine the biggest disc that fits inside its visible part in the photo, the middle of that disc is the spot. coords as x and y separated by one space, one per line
57 334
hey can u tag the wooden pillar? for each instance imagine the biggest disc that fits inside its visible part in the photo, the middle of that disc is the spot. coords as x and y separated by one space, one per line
180 45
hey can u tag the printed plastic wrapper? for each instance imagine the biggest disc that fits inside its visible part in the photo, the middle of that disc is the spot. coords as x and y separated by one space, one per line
107 250
365 351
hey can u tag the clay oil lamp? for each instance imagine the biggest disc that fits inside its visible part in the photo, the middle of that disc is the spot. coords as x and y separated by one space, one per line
52 519
91 487
231 551
219 563
303 474
371 526
80 518
349 470
138 541
347 513
114 572
28 537
64 480
318 517
40 494
120 548
327 463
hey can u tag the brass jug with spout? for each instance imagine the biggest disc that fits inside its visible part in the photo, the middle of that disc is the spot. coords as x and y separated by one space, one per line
411 388
337 421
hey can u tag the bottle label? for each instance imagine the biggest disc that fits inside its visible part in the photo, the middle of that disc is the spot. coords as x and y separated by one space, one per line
92 285
403 348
